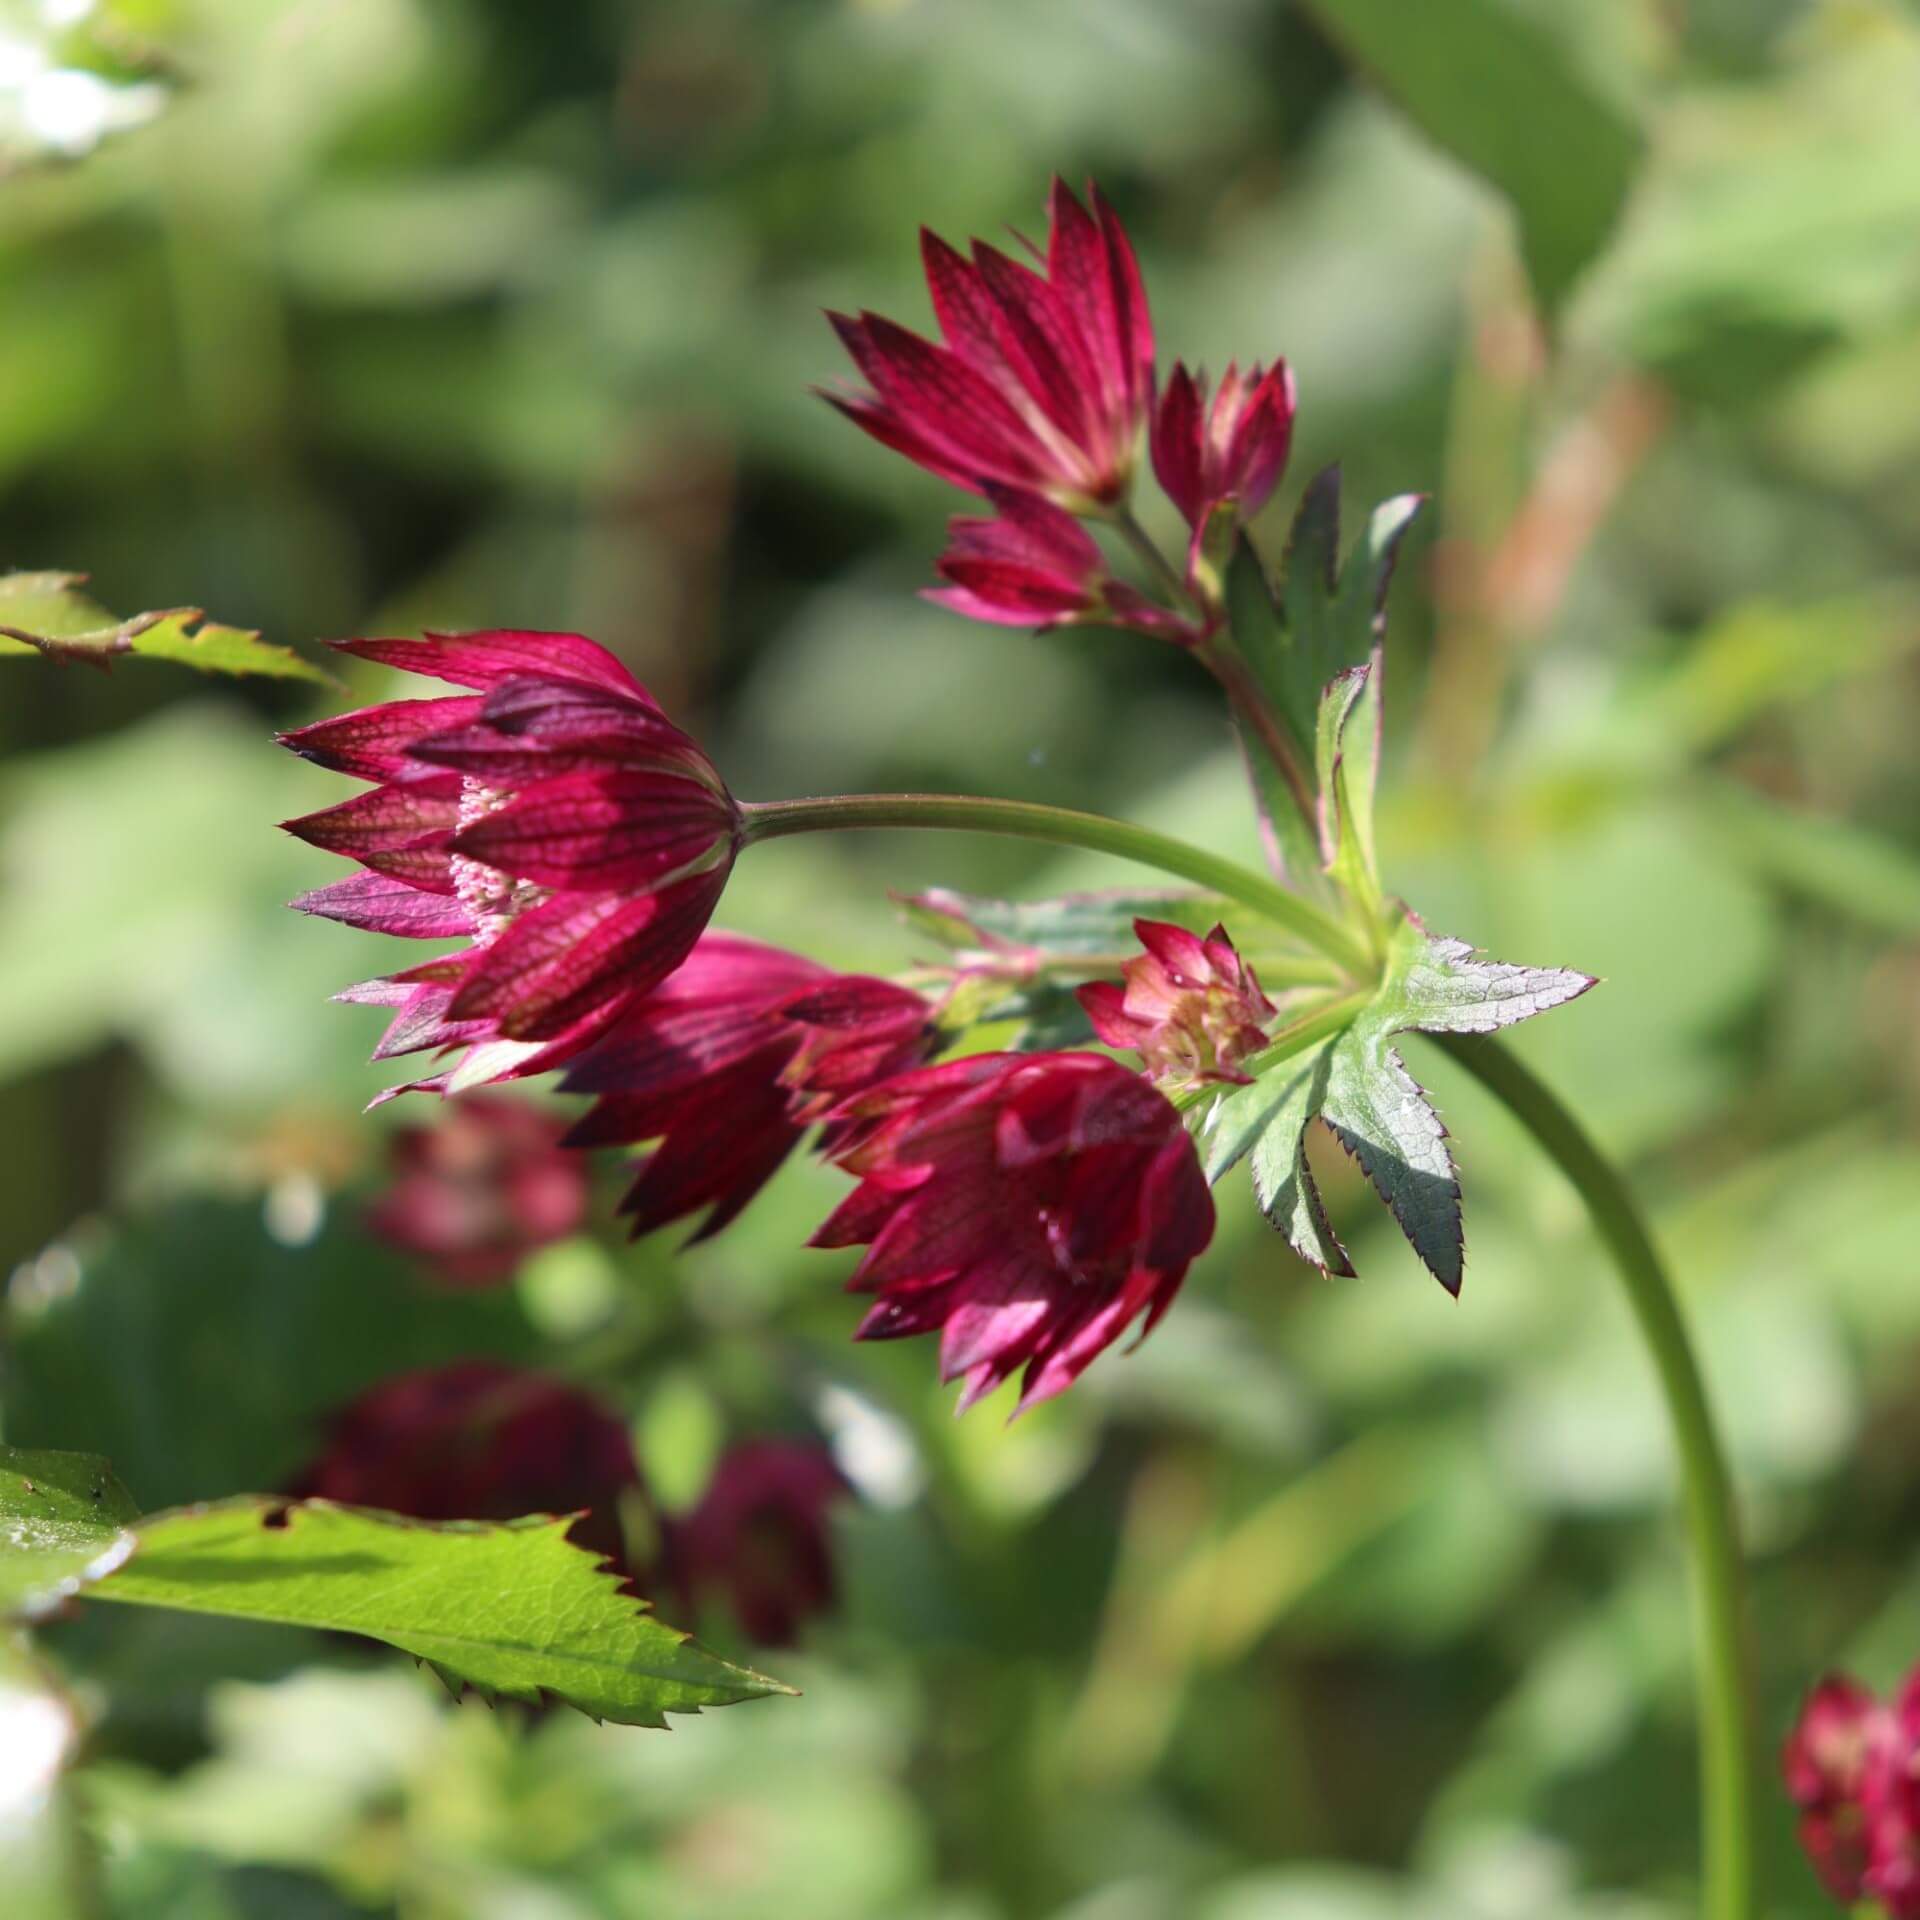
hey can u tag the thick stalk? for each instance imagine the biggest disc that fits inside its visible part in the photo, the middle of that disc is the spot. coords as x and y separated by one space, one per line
1726 1734
1064 827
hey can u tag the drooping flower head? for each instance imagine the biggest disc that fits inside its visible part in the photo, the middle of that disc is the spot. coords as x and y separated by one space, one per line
476 1192
1191 1008
759 1535
728 1063
1045 378
479 1440
553 818
1034 565
1030 1207
1234 450
1833 1761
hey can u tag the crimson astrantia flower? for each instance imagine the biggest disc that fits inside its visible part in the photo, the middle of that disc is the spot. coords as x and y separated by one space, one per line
759 1534
728 1063
1234 450
479 1440
1036 566
553 817
1045 377
1030 1206
1191 1008
1836 1749
480 1189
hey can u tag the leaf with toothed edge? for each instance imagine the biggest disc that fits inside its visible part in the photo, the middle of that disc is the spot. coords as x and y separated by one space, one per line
46 613
1324 623
512 1609
1358 1086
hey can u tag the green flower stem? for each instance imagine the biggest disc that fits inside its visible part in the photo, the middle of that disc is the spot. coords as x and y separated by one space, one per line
1064 827
1143 543
1256 713
1726 1724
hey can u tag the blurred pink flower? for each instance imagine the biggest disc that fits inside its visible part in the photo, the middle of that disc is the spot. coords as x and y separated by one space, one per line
476 1192
479 1440
759 1534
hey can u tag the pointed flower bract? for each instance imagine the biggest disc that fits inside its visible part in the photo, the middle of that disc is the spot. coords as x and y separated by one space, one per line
554 818
1045 378
1030 1207
728 1063
1191 1007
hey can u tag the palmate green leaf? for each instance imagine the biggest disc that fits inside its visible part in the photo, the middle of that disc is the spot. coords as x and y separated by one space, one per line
1357 1085
511 1608
64 1523
1496 89
46 613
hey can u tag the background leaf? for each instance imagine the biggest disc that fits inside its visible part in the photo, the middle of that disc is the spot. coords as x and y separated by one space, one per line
1505 97
46 613
513 1609
63 1524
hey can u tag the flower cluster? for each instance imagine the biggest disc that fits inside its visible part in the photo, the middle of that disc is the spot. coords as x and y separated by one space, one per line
1036 398
1852 1766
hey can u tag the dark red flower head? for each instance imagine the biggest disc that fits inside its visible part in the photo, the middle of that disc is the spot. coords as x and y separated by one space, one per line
480 1189
479 1440
1191 1008
1235 450
1046 377
1030 1206
728 1062
759 1535
1830 1760
554 818
1036 566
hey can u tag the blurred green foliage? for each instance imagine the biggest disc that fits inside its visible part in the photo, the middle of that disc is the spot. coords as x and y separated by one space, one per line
406 312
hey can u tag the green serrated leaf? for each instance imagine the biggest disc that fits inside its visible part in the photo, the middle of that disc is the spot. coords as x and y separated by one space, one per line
63 1524
1346 764
1326 622
1357 1084
1259 633
46 613
514 1610
1500 92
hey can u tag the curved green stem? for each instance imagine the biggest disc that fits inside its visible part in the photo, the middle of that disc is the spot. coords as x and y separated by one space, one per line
1726 1743
1064 827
